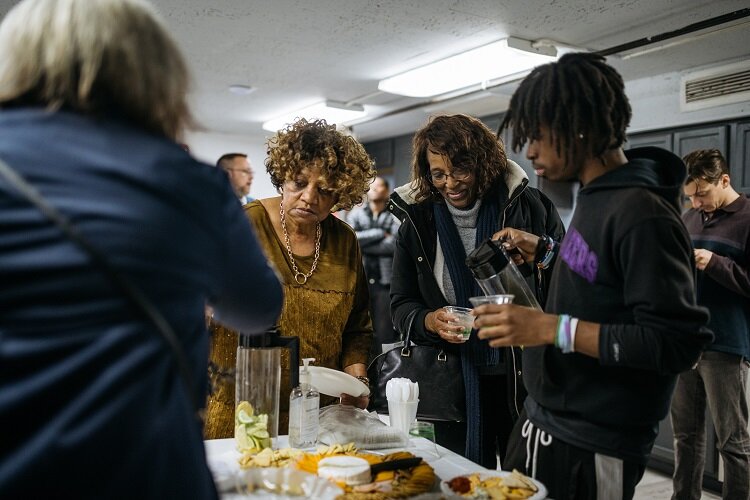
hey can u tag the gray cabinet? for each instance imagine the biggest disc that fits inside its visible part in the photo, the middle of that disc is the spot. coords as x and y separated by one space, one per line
659 139
732 139
689 140
381 152
739 163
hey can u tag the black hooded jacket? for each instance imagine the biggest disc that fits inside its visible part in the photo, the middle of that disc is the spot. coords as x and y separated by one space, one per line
627 263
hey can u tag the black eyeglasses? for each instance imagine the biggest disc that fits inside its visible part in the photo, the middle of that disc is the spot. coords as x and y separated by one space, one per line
459 174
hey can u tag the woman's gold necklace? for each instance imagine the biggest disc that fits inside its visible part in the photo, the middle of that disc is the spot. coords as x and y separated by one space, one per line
299 277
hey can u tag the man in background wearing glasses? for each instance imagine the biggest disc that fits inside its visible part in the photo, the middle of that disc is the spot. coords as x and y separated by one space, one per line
240 174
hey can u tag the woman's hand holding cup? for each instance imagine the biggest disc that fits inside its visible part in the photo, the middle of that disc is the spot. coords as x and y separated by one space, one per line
450 324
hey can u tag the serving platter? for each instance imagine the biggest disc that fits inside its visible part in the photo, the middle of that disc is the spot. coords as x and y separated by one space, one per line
540 494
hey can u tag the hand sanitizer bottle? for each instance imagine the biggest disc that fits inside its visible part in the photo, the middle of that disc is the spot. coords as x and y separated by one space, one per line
304 406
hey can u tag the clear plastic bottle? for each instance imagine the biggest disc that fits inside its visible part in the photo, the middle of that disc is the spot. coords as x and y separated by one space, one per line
304 409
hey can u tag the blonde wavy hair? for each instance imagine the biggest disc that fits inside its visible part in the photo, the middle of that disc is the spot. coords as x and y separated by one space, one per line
106 58
345 166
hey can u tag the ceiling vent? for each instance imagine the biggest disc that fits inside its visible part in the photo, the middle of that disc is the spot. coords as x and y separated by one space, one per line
715 86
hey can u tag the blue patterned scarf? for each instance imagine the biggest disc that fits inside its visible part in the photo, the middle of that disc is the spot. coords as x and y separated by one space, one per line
474 352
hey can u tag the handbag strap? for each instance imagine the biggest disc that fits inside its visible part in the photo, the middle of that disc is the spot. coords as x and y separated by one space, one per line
134 294
405 350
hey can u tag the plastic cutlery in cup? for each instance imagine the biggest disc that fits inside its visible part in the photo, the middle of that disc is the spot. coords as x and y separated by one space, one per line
401 389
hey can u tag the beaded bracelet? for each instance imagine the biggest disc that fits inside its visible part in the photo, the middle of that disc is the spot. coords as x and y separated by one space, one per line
549 246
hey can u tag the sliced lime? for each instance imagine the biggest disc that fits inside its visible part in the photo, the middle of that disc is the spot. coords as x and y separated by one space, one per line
244 418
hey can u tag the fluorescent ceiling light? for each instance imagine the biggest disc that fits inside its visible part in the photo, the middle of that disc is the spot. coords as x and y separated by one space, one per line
495 60
331 111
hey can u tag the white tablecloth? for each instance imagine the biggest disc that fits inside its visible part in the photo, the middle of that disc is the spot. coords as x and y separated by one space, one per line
222 458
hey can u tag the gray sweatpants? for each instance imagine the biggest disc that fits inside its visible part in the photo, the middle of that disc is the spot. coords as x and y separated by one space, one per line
720 380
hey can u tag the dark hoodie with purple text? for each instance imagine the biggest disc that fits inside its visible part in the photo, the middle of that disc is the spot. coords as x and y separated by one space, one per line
626 263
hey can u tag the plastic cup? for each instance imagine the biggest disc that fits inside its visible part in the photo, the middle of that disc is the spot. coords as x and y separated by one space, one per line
463 318
491 299
402 414
425 430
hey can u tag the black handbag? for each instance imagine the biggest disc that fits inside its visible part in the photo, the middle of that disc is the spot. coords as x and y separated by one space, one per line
441 384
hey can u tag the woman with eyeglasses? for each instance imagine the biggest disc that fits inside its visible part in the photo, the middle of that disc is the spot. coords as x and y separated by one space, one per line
464 190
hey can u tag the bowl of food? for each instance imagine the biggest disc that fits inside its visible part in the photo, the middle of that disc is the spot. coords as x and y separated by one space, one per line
494 484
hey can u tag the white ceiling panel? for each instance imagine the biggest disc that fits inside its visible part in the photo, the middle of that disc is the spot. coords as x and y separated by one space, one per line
297 52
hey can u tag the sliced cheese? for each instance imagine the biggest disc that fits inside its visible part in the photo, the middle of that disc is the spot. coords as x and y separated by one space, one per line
350 470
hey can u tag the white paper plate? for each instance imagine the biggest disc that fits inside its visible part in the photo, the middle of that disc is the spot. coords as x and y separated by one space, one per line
284 483
539 495
335 383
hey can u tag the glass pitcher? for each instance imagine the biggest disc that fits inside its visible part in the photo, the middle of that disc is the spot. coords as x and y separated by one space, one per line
258 375
496 274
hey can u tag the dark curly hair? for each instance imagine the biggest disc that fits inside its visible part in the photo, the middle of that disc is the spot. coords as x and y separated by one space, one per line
580 98
345 166
705 164
466 142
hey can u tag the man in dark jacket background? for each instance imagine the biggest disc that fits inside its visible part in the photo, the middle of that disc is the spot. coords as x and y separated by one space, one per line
622 321
376 231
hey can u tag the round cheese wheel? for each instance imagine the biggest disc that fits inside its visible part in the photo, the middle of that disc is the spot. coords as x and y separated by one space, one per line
351 470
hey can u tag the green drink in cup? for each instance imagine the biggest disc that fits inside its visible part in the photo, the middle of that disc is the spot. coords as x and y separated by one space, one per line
425 430
463 318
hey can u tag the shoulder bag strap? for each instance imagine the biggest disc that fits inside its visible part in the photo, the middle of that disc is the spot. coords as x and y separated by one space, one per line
406 349
136 297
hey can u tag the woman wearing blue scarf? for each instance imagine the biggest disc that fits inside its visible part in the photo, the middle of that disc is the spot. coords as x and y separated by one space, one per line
463 191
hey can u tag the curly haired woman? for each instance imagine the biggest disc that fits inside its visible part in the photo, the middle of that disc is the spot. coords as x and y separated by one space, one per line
317 170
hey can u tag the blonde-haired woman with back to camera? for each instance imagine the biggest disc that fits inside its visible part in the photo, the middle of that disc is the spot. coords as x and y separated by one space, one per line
94 402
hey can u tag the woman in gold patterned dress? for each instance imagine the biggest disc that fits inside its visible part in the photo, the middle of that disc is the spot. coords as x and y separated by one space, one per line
317 170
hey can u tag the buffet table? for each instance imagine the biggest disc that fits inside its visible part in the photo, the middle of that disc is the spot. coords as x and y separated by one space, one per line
222 456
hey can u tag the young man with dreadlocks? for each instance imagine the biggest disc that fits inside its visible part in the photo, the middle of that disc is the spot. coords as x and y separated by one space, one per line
622 321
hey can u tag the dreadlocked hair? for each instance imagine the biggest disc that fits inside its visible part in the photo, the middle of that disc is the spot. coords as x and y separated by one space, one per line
580 99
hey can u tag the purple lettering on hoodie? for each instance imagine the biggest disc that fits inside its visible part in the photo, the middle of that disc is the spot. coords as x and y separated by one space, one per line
579 257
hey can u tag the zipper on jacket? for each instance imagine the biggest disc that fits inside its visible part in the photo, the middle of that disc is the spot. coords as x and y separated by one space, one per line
516 195
515 382
524 184
421 245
